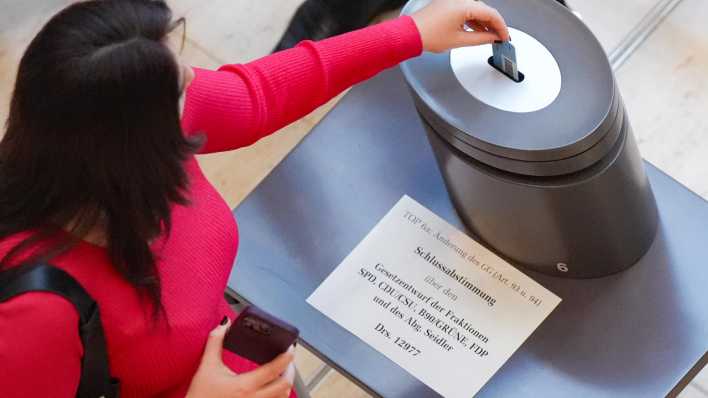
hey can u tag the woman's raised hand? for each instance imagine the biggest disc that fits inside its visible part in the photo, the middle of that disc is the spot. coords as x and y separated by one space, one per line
215 380
442 24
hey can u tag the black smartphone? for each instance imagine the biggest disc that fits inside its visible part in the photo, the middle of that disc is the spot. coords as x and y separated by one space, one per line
259 336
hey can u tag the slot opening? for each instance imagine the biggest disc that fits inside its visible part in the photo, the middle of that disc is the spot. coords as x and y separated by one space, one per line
490 61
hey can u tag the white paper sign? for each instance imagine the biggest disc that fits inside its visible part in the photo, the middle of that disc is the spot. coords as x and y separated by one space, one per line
433 300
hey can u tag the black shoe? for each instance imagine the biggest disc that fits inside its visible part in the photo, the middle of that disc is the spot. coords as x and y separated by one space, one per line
319 19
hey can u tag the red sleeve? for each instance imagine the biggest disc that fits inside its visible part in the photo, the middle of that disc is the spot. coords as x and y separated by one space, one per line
239 104
40 348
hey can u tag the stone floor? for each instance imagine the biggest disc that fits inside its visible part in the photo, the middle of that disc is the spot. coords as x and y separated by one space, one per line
664 85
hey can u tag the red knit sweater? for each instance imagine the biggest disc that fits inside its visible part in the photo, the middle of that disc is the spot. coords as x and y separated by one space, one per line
40 350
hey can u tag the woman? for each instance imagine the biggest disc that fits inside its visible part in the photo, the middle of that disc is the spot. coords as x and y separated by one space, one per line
98 177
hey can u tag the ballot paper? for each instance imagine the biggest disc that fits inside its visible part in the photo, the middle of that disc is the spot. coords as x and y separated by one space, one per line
504 59
434 301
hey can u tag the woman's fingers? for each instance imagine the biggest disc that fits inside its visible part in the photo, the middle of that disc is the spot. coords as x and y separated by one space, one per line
289 374
475 38
442 24
214 344
279 388
268 372
490 18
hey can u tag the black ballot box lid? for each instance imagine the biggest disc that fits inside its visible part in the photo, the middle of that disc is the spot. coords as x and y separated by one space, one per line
565 115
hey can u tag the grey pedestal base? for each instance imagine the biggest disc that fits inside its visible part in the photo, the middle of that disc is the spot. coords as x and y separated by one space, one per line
638 333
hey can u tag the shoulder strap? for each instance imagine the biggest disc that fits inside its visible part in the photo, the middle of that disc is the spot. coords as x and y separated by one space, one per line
95 377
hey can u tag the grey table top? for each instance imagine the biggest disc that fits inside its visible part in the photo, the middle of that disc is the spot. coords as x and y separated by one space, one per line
638 333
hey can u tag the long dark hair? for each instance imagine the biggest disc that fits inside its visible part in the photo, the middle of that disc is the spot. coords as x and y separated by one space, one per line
94 138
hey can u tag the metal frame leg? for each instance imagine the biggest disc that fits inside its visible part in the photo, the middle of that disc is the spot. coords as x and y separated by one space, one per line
303 389
318 377
300 387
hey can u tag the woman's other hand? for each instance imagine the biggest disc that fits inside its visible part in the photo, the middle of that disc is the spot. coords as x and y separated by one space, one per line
215 380
442 24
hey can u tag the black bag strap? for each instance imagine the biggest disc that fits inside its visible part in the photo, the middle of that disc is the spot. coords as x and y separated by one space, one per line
95 376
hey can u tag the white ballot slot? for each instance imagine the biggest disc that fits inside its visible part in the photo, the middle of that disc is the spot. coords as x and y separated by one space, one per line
434 301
